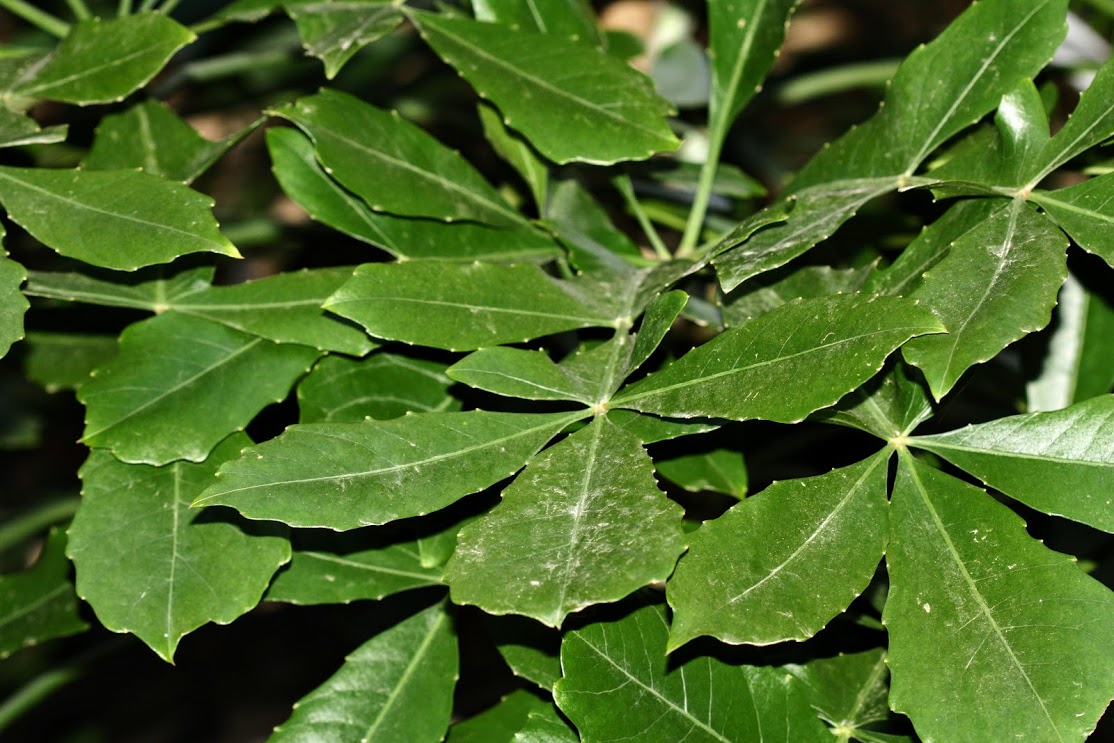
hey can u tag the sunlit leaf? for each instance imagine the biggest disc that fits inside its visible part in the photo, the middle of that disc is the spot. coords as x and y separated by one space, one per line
39 604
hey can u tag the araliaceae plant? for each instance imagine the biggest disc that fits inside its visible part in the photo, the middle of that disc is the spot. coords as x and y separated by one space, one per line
540 423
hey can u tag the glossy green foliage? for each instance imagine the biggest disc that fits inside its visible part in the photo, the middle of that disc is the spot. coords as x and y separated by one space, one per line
386 385
40 603
14 304
334 31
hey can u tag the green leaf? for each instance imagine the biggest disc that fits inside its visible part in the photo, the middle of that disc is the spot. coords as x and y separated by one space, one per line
992 635
720 471
13 304
518 373
997 283
801 551
17 129
181 384
1079 362
891 405
584 227
516 151
137 291
332 569
346 475
767 292
306 182
386 385
659 318
584 524
151 566
1060 462
102 61
572 101
847 691
497 724
39 604
650 429
248 11
118 219
334 31
412 665
531 650
63 361
545 725
620 685
150 137
572 19
461 307
392 164
1085 211
783 365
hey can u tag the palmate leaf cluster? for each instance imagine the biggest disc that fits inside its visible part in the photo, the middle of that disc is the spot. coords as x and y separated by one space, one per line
510 340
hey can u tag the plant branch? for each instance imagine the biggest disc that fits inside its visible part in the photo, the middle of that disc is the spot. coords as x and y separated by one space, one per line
51 24
79 9
717 132
623 184
124 8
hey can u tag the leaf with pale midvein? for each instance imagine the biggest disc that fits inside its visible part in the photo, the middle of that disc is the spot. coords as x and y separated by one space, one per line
650 429
151 566
571 100
461 307
515 372
799 553
63 361
181 384
101 61
992 635
346 475
305 181
327 568
385 385
517 151
13 304
148 290
621 666
498 723
584 524
120 219
39 604
394 165
890 405
773 289
17 129
998 283
719 471
151 137
1085 211
372 697
847 691
783 365
334 31
573 19
1060 462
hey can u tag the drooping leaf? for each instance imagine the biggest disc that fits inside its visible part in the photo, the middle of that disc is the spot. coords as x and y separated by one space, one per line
151 290
847 691
997 283
889 406
572 101
385 385
1085 211
118 219
63 361
461 307
773 289
497 724
392 164
620 685
17 129
39 604
785 364
573 19
991 634
306 182
1060 462
181 384
530 649
800 552
101 61
151 137
13 304
516 151
545 725
324 570
150 565
346 475
334 31
412 665
720 471
584 524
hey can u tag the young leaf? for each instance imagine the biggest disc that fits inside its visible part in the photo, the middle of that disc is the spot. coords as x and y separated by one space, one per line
800 551
181 384
151 566
12 302
151 137
386 385
63 361
1060 462
39 604
17 129
720 471
334 31
781 366
847 691
1085 212
118 219
584 524
306 182
101 61
346 475
412 665
991 634
461 307
622 666
392 164
500 723
997 283
572 101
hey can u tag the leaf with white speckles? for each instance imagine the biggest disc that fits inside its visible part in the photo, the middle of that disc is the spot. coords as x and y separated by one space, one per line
382 386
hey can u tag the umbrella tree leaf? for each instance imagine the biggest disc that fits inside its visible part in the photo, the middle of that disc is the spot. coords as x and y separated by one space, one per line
17 129
499 723
516 151
573 19
720 471
39 603
334 31
1085 211
63 361
13 304
847 691
386 385
545 725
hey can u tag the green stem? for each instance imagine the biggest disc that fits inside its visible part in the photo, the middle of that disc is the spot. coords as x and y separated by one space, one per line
146 5
717 132
79 9
623 184
124 8
31 523
837 80
1106 6
168 6
28 12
